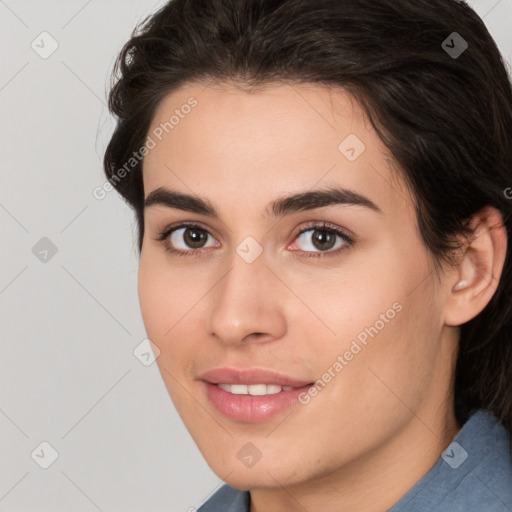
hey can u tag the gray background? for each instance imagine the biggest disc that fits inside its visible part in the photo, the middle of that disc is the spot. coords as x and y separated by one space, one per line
70 319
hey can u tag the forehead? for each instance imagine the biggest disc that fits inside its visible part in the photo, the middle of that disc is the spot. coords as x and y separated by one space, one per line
274 114
219 140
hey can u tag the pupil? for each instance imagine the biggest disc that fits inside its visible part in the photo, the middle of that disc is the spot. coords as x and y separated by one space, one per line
194 237
321 237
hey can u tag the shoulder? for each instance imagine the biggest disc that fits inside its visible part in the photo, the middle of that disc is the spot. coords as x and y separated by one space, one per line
473 474
226 499
488 478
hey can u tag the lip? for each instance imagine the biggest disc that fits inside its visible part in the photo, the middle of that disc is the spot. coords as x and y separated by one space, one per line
249 408
251 376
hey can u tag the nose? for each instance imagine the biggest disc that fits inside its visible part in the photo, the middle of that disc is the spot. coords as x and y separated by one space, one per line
246 305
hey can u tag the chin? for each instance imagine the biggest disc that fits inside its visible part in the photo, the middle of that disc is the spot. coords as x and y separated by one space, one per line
261 475
245 480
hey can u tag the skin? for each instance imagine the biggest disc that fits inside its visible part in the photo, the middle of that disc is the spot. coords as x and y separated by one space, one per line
380 425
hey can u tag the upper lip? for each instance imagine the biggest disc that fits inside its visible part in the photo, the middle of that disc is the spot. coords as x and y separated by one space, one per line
251 376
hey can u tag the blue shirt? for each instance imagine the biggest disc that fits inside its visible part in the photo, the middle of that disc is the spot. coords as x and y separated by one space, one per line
474 474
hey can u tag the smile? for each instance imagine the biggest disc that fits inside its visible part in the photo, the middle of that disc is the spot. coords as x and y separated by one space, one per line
254 389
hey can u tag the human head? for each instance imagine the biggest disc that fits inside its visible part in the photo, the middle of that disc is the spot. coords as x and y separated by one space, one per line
445 121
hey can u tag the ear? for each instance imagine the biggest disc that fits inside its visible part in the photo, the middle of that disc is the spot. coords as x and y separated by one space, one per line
471 285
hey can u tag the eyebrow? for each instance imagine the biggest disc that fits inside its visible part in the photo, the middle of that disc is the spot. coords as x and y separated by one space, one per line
302 201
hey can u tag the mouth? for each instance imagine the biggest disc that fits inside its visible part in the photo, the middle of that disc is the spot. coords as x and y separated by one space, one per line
251 395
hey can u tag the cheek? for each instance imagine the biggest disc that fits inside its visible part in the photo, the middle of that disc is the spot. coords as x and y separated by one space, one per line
167 300
392 372
384 321
375 391
153 301
166 296
345 302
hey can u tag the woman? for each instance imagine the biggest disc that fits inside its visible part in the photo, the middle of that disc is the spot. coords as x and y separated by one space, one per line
320 188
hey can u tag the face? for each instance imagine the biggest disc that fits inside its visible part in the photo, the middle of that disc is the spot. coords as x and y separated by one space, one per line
333 296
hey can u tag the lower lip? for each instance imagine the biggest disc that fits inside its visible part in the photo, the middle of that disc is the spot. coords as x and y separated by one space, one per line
251 408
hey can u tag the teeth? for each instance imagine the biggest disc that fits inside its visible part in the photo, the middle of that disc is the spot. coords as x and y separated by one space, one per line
254 389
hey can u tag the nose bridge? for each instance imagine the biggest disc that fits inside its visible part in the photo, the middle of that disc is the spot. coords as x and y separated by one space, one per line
246 301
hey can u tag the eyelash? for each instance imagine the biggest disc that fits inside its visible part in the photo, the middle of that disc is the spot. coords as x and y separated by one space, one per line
313 226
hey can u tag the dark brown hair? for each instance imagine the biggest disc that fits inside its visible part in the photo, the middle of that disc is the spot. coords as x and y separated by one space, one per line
446 118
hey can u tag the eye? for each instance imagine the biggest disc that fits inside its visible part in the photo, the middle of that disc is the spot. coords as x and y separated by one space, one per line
323 238
179 239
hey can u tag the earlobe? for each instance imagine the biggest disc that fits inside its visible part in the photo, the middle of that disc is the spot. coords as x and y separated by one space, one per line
478 271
